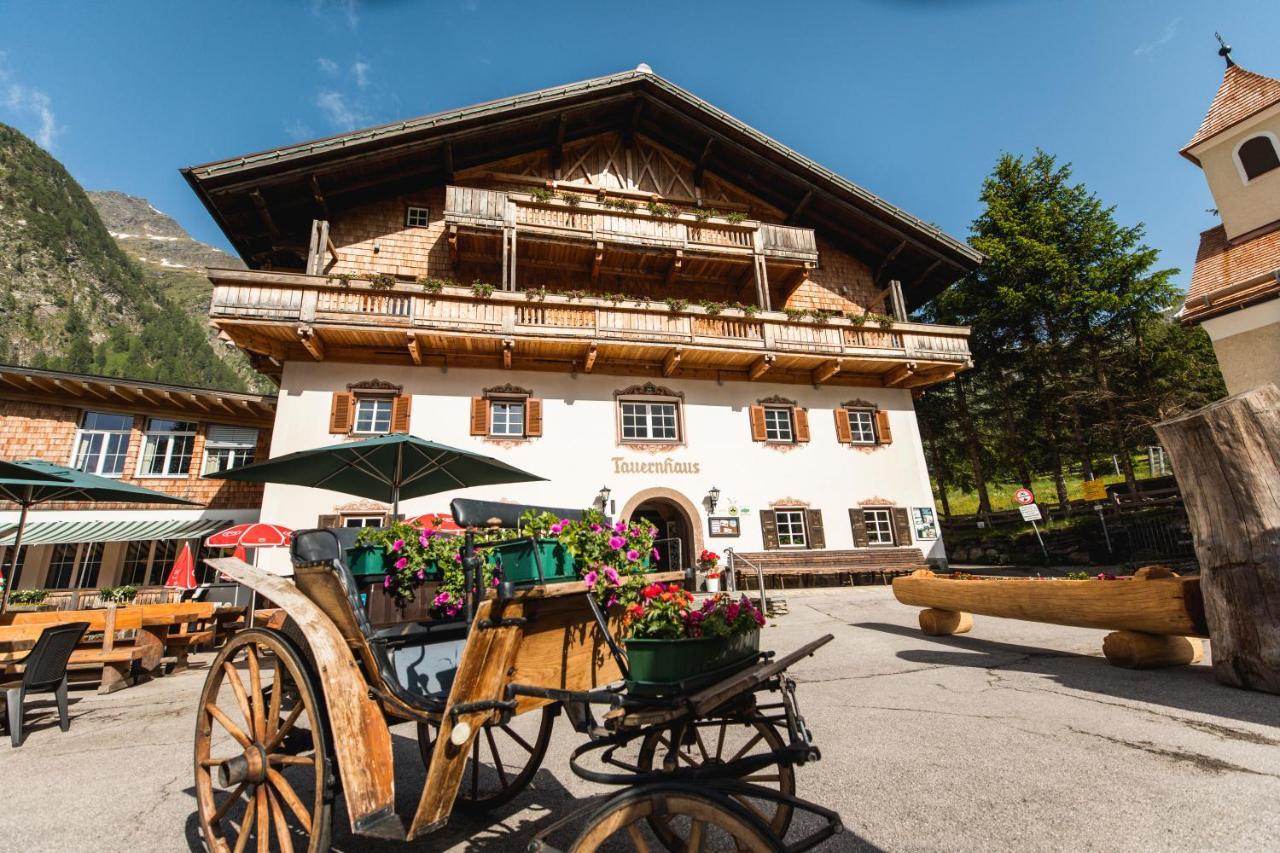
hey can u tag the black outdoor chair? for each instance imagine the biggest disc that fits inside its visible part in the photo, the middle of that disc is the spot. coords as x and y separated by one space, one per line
46 672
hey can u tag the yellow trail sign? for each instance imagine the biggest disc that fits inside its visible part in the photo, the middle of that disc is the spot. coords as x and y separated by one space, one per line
1095 490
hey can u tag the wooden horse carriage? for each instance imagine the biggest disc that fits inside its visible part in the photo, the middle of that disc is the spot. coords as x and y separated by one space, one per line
291 715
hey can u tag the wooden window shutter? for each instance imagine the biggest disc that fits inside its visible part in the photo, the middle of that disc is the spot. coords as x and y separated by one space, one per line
884 435
901 526
769 529
341 411
329 521
479 416
813 528
400 408
533 417
801 417
844 434
859 524
757 424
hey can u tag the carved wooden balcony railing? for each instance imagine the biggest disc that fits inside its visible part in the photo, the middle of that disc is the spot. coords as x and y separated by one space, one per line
287 315
507 227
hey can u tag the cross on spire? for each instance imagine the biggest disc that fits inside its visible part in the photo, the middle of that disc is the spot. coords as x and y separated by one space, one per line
1224 49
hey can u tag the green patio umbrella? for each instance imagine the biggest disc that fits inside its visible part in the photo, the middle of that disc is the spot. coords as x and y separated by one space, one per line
387 468
33 481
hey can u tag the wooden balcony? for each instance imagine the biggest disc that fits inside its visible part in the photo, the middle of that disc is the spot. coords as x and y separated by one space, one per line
522 234
286 316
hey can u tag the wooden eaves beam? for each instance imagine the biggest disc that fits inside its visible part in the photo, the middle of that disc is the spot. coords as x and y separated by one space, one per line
900 374
672 361
264 214
700 168
309 337
629 133
800 206
555 152
415 348
826 370
508 352
888 259
589 361
318 197
761 366
446 152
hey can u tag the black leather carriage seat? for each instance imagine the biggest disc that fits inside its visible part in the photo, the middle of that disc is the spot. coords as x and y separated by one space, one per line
416 661
468 512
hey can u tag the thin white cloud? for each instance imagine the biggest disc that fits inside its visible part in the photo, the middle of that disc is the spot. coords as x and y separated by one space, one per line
297 130
471 5
328 66
339 112
360 70
32 108
1148 48
346 11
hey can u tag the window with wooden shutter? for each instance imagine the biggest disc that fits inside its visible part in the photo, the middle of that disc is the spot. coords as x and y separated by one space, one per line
813 527
757 424
801 417
400 408
479 416
901 526
329 521
859 524
768 530
844 434
341 411
884 435
533 417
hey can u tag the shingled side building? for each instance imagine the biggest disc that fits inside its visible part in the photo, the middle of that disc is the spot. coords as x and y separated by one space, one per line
611 284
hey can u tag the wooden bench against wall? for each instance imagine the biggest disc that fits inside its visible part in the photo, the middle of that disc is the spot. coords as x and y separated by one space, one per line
863 565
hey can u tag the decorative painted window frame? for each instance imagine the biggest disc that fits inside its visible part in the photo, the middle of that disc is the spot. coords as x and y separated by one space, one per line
779 402
864 405
649 392
507 393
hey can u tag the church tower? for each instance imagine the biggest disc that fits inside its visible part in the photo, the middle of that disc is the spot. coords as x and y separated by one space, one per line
1235 289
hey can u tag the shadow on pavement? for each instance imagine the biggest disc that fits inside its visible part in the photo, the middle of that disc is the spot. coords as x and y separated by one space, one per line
1186 688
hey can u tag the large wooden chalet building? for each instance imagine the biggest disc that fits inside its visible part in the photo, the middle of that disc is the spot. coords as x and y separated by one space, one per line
611 284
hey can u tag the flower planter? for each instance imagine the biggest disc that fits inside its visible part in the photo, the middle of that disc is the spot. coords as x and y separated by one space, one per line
368 561
515 559
713 584
670 666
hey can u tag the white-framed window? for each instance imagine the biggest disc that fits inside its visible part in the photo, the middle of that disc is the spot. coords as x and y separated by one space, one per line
646 421
373 415
862 426
417 217
1257 156
228 447
879 526
166 448
778 424
506 417
362 520
137 556
62 562
790 523
102 442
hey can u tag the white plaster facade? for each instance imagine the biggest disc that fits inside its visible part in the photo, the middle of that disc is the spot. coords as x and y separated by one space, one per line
579 451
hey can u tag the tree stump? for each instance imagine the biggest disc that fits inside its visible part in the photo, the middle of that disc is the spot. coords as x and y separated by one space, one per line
1226 457
1135 650
940 623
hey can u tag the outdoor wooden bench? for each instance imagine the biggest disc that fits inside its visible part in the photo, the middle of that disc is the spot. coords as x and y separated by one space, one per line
857 566
115 643
179 627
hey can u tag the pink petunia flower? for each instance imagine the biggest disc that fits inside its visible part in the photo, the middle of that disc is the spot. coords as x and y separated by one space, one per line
402 562
654 553
590 578
397 545
595 528
611 574
386 582
633 555
556 528
616 542
422 575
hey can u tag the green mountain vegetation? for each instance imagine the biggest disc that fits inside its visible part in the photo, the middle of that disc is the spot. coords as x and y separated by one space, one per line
72 299
1077 353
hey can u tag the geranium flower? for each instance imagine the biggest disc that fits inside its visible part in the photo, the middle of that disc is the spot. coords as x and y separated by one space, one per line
457 558
611 574
397 545
402 563
595 528
633 555
441 599
590 578
423 539
556 528
620 527
616 542
652 590
653 531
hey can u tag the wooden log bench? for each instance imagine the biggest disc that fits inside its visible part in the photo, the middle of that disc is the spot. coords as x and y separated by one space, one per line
115 644
859 565
179 627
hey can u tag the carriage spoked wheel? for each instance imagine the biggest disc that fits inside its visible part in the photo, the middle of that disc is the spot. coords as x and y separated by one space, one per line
722 740
260 751
503 761
706 819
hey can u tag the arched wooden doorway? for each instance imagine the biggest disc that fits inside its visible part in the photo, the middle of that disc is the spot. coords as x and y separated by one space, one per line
676 518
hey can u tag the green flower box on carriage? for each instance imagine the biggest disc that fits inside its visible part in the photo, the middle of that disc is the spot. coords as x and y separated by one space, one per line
518 561
660 667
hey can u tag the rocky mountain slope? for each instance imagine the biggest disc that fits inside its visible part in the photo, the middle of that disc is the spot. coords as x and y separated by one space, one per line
72 299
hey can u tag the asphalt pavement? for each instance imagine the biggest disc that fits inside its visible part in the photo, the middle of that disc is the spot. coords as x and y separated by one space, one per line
1017 736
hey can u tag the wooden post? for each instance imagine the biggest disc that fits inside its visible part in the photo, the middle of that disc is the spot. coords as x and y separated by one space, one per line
1226 457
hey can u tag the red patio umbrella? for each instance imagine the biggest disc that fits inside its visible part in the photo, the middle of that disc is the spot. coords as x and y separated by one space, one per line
440 522
240 554
183 573
255 535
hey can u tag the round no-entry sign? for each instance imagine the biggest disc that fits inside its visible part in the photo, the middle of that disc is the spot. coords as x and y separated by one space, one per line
1024 497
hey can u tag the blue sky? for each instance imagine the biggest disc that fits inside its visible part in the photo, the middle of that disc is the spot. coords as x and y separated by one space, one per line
912 99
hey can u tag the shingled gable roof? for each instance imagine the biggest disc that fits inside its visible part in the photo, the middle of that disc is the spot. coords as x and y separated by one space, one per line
1242 94
289 180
